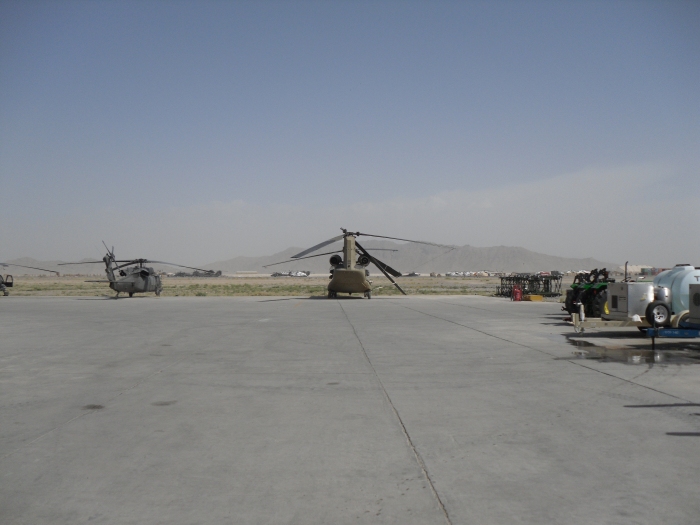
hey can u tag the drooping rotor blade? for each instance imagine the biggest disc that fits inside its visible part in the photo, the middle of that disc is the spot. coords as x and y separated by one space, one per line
379 264
126 263
320 245
31 267
178 265
399 239
84 262
380 249
300 258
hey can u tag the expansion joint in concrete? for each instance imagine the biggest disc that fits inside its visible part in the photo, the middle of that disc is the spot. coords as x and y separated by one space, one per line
407 436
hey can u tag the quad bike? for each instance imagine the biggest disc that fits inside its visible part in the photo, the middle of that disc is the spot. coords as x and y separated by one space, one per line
590 290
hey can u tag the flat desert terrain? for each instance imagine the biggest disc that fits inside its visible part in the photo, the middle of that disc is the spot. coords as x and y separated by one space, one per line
75 286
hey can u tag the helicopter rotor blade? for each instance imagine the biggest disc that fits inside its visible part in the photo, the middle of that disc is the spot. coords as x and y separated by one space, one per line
318 246
31 267
392 280
99 262
126 263
406 240
300 258
178 265
379 264
381 268
84 262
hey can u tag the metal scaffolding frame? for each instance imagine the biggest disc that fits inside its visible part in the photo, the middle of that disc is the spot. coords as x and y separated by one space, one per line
531 284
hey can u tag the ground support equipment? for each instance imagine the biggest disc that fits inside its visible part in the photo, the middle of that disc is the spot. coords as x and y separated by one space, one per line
596 322
544 285
681 333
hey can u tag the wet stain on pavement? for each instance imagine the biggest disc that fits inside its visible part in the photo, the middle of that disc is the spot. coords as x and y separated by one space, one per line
93 407
685 355
163 403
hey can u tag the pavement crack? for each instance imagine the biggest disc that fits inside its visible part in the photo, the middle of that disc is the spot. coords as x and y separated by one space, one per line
25 445
411 445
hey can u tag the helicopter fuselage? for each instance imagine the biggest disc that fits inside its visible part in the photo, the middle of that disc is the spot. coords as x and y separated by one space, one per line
137 280
347 276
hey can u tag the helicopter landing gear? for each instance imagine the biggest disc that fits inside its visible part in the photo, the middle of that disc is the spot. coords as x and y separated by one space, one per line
158 290
332 295
368 294
131 294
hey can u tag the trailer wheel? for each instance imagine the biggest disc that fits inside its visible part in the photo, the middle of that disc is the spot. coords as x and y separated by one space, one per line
681 318
658 314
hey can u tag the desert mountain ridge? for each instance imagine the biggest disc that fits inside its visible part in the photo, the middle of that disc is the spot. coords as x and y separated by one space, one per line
420 258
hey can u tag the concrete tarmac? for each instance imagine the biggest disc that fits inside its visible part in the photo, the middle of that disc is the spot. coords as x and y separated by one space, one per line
267 410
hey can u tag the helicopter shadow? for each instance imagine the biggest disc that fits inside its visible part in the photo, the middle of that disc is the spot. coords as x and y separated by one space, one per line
108 297
313 298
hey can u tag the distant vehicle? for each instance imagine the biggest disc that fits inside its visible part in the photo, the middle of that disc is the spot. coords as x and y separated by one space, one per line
291 274
8 281
205 273
135 277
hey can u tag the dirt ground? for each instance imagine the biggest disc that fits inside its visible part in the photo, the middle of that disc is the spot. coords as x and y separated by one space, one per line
254 286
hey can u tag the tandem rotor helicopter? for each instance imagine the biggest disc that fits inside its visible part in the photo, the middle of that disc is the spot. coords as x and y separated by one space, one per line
349 272
8 281
132 276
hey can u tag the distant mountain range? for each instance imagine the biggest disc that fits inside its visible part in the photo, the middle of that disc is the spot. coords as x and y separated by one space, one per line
421 258
408 257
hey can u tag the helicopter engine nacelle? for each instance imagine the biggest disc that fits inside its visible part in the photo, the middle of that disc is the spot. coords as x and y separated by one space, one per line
336 260
363 260
144 273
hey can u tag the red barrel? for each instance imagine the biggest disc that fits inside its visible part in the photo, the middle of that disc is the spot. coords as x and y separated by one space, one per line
517 293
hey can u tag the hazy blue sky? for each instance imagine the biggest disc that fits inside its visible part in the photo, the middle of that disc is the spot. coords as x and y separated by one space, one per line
204 130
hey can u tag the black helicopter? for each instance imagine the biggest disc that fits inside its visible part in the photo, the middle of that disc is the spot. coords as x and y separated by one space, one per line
8 281
349 272
132 276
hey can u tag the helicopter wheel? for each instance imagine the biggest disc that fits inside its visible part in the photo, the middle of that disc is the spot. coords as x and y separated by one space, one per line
131 294
158 292
368 294
332 295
